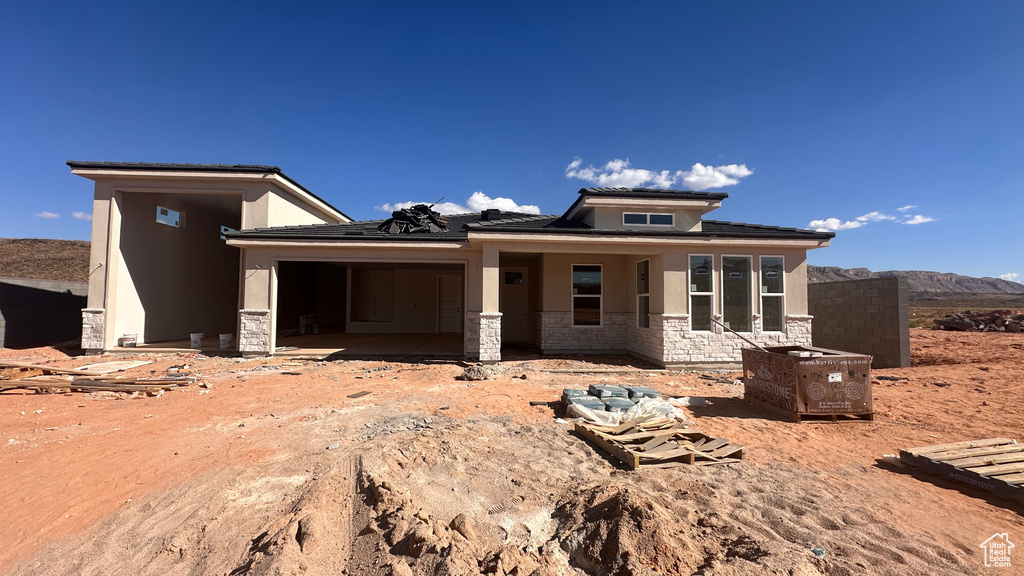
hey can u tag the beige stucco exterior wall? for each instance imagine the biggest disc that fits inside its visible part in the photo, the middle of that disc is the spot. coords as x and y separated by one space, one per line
112 288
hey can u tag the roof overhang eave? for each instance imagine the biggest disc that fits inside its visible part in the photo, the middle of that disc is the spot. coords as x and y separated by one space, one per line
807 243
279 179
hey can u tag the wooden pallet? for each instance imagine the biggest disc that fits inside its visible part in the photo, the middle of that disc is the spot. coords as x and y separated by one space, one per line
802 417
659 442
994 464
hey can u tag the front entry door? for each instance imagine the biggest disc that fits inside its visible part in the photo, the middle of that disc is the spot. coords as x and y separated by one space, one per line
449 303
514 304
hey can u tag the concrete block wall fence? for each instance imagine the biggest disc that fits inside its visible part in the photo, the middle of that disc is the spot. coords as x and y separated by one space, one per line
869 316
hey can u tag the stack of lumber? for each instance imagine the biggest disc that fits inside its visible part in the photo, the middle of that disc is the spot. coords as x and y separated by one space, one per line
994 321
659 442
50 379
994 464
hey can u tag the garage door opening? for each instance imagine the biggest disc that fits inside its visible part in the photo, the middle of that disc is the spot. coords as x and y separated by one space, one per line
370 309
176 276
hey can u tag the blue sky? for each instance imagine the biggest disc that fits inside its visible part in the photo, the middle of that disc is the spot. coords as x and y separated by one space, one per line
900 123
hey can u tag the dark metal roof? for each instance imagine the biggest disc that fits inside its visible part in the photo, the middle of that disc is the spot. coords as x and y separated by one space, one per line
460 225
653 193
175 167
645 193
254 168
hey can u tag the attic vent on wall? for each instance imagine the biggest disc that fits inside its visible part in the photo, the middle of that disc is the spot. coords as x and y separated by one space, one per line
419 219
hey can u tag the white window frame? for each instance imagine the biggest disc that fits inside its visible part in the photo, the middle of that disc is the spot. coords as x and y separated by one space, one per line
636 265
164 220
572 306
762 294
647 218
750 295
691 293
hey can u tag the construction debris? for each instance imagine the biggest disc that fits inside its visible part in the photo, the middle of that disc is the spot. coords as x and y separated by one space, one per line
48 379
994 321
417 219
994 464
659 442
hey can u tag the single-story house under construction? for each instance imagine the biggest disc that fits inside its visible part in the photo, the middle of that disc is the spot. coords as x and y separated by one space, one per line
246 250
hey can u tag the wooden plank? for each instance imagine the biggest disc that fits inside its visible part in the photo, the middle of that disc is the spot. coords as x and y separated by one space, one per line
627 457
713 444
631 425
671 445
50 369
24 373
986 460
971 452
634 436
925 450
997 469
1013 479
658 440
728 450
682 450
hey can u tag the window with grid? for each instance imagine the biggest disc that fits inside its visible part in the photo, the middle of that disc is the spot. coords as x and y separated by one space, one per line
586 294
773 293
737 305
702 292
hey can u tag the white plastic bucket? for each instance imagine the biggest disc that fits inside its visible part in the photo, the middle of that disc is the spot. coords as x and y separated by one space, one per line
129 340
197 339
225 340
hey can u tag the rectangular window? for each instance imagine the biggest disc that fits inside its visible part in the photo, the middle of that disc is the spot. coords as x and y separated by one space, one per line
643 293
586 295
736 286
638 218
701 292
168 217
773 293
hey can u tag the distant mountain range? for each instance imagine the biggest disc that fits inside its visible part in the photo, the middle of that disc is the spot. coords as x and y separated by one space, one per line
919 280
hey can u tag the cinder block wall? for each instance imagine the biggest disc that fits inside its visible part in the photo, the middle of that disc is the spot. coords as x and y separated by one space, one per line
40 312
863 316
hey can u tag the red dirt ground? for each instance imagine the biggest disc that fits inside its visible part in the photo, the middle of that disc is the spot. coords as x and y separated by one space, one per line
189 482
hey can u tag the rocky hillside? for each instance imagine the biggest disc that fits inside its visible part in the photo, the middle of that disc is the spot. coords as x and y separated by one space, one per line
918 280
66 260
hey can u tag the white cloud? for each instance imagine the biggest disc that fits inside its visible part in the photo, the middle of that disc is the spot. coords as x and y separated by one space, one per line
1011 276
47 215
442 207
475 203
833 225
617 173
480 201
874 217
907 207
918 219
82 215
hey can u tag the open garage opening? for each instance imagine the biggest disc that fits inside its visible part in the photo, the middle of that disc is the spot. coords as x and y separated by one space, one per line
367 309
176 276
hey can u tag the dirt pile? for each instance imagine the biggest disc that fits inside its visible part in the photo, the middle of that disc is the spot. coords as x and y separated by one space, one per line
66 260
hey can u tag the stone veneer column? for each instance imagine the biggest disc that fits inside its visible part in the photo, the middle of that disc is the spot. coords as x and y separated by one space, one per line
675 333
798 330
490 337
94 322
255 332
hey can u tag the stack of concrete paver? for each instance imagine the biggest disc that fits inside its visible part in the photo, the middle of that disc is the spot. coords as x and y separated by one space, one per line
608 397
